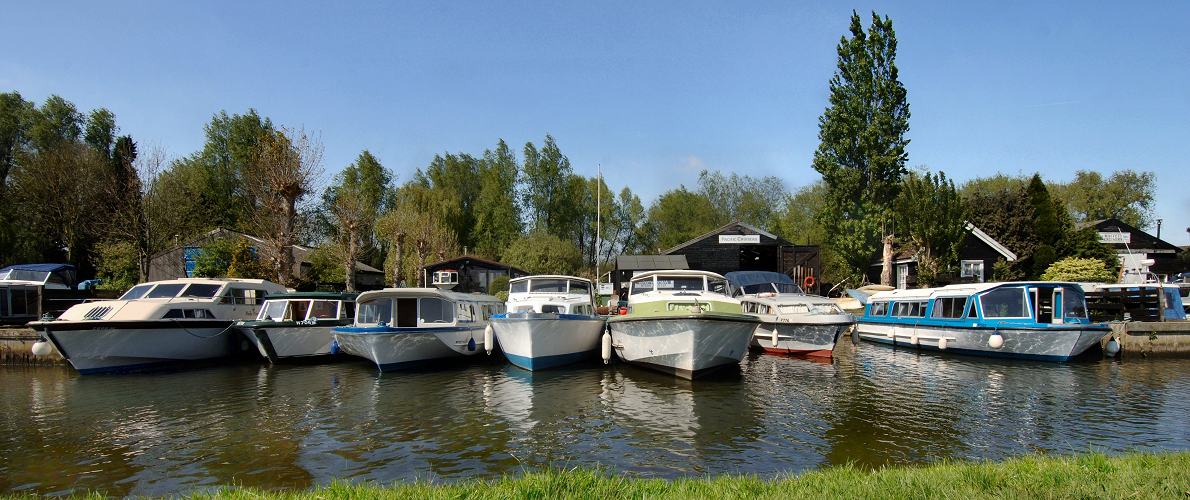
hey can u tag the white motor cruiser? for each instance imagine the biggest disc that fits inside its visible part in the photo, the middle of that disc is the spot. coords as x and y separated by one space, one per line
154 323
299 325
681 322
550 322
400 328
791 321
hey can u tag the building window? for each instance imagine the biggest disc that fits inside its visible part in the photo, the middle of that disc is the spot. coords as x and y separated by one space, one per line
903 276
972 269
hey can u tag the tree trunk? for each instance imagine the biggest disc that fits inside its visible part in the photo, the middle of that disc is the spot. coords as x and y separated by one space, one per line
349 261
886 262
285 253
400 264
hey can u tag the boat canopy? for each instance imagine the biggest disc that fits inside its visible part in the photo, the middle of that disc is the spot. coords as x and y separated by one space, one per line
750 282
56 274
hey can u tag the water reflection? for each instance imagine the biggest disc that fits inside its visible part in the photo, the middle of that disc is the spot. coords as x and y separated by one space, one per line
297 426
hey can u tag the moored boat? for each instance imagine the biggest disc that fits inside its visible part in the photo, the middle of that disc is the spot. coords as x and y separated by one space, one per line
792 322
681 322
299 325
550 322
156 323
400 328
1030 320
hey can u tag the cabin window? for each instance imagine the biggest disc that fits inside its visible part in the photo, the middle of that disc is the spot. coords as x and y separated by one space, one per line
878 309
1074 304
1004 303
949 307
910 309
642 286
524 309
463 312
518 287
580 287
374 312
717 285
348 310
135 292
435 310
188 314
551 308
547 286
693 283
54 279
795 309
825 309
201 291
167 291
324 309
298 309
273 310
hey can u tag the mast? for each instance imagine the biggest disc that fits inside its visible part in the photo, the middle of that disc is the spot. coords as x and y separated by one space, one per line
598 223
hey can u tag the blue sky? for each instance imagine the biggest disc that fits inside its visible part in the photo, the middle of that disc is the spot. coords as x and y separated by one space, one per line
652 91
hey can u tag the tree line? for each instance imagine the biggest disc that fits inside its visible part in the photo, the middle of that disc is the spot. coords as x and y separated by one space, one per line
74 189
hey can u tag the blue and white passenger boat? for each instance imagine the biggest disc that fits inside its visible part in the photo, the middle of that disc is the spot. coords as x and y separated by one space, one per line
400 328
1030 320
550 322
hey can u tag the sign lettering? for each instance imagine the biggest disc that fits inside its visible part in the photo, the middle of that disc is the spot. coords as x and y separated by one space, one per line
738 238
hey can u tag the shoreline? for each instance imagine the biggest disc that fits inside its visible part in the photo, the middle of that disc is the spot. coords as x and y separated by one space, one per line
1088 475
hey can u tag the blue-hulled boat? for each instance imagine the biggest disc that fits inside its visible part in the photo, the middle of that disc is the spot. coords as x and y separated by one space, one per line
1030 320
550 322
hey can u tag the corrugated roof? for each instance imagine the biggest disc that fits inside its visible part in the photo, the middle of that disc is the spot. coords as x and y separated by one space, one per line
651 262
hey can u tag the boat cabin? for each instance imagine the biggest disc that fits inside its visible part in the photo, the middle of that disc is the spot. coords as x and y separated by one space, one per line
991 304
186 298
312 307
29 290
678 291
551 294
423 308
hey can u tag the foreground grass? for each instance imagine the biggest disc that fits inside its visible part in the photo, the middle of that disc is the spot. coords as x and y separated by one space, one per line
1137 475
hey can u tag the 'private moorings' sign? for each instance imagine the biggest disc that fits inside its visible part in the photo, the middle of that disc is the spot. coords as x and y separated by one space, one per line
1110 238
737 239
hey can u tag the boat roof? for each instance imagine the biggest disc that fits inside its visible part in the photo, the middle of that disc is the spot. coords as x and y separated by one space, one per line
746 278
676 272
954 290
549 276
38 267
426 292
315 295
213 280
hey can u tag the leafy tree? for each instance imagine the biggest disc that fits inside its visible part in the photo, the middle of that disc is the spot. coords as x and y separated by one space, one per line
450 179
55 123
1007 216
861 154
547 180
753 200
100 132
214 258
542 253
799 220
1079 270
415 227
499 284
58 210
1085 243
355 200
1126 195
931 218
1048 225
15 113
680 215
497 214
625 231
992 185
326 265
117 263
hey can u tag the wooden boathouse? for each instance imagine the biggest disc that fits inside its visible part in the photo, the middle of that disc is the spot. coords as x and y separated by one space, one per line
739 246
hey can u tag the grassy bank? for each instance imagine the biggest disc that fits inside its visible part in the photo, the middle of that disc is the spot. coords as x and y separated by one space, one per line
1137 475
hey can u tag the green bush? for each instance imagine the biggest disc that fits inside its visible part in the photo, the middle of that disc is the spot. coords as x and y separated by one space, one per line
541 253
500 284
1079 270
117 264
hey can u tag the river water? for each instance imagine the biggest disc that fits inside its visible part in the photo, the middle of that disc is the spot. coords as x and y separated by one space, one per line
299 426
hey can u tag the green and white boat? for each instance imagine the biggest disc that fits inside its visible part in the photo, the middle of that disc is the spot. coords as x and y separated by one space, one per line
299 325
681 322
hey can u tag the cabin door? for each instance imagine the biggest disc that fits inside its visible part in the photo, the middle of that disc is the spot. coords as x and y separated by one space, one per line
1048 304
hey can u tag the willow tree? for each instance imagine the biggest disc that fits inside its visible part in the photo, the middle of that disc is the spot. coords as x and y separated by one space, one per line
355 200
861 154
286 165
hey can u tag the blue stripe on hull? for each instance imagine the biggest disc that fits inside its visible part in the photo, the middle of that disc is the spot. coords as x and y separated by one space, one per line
969 352
546 362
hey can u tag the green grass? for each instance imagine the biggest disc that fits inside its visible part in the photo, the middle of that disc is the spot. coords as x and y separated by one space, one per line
1136 475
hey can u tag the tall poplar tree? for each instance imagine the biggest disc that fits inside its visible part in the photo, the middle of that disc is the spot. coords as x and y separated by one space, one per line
861 154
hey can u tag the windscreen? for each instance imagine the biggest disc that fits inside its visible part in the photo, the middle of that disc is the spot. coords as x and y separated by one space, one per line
167 291
135 292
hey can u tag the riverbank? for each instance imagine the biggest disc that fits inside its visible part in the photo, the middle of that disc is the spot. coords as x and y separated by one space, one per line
1134 475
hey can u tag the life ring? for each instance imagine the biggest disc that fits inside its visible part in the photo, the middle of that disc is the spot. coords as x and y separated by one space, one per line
808 282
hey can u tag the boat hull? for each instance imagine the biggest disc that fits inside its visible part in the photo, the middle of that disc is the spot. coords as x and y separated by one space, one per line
541 341
1044 344
92 347
806 339
292 342
686 346
410 348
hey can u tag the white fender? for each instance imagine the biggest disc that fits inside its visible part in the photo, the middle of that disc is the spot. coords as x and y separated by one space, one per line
1112 348
775 338
913 339
606 350
996 341
488 342
42 348
942 344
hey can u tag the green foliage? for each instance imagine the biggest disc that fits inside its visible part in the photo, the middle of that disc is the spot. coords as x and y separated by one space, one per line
547 185
355 200
680 215
416 233
327 265
1002 270
542 253
931 218
1045 215
230 258
1085 243
861 154
1079 270
1126 195
500 284
992 185
246 263
497 214
753 200
117 264
1007 216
